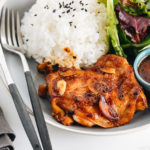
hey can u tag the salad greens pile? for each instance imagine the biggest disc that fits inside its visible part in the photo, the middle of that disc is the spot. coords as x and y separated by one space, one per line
112 29
129 26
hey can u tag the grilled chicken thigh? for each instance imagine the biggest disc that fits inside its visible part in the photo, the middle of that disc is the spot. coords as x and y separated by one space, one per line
106 95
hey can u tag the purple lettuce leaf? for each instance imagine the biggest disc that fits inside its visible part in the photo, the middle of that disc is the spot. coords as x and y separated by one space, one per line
136 27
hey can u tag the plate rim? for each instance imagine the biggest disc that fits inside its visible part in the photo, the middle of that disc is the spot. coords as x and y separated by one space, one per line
107 133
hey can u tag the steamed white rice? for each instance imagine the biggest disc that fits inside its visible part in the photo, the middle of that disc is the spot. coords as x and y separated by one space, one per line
73 36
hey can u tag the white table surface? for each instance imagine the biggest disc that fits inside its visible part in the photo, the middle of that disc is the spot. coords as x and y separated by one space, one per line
63 140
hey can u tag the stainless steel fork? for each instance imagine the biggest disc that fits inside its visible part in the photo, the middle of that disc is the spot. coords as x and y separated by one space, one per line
12 41
17 99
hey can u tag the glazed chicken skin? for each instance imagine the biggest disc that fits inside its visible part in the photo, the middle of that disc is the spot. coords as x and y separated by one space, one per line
105 95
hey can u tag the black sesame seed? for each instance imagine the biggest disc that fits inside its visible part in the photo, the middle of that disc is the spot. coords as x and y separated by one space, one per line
70 23
74 9
72 2
59 16
81 3
73 15
82 8
60 5
35 14
27 40
54 10
75 26
63 4
66 6
85 10
31 24
46 7
68 11
63 12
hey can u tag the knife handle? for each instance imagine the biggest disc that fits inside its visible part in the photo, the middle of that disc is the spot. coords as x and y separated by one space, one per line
37 110
24 117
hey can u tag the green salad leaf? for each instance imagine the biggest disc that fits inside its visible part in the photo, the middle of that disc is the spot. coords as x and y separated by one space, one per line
103 1
115 2
141 8
144 43
138 1
122 36
112 29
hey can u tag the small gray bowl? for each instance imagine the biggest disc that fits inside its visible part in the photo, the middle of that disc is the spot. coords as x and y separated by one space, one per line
137 62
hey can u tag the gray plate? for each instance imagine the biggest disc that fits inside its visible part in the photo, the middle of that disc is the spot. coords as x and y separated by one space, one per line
140 120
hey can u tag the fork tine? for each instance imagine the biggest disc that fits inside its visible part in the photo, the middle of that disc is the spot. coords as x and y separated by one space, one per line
14 40
8 28
3 30
20 42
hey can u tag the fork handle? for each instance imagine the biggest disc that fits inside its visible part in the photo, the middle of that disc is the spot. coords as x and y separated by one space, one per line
24 117
39 118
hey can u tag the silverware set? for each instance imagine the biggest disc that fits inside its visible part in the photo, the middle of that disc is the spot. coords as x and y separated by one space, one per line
11 40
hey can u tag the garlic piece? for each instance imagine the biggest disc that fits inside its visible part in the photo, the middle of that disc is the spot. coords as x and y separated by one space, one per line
61 85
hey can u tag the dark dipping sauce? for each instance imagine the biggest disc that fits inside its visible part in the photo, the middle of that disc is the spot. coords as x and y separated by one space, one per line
144 69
